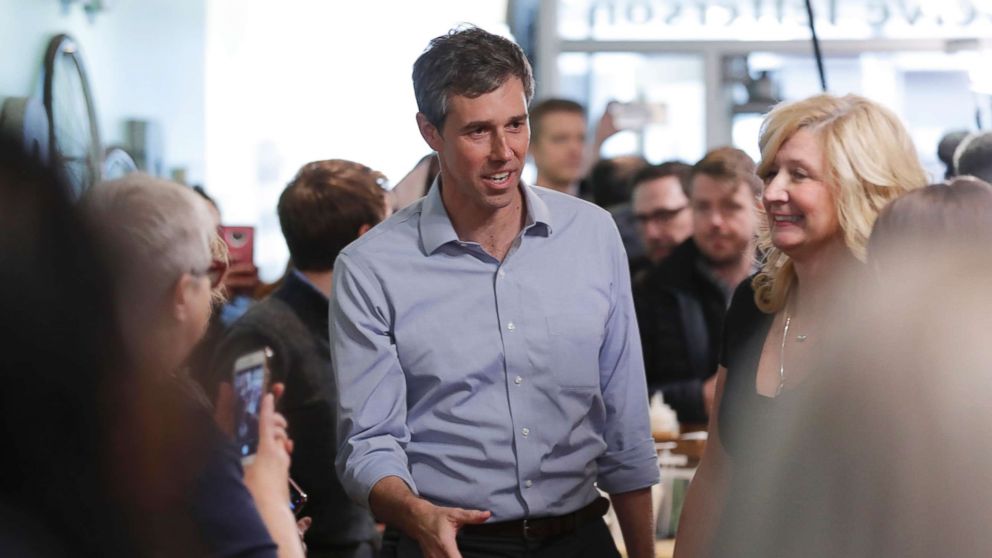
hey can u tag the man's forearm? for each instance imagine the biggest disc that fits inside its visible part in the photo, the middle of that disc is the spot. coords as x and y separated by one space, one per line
394 503
634 513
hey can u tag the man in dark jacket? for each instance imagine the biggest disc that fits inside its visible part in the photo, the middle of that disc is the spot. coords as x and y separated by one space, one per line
328 205
681 303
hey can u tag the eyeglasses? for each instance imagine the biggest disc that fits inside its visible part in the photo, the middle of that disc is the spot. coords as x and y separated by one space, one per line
661 215
216 273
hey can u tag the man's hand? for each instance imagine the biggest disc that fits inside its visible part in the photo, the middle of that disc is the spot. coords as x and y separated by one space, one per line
433 527
436 528
267 476
709 394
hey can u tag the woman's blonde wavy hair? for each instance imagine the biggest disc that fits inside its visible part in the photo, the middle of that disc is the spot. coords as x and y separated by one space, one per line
870 160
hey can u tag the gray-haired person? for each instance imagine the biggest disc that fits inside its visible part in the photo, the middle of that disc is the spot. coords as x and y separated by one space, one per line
485 348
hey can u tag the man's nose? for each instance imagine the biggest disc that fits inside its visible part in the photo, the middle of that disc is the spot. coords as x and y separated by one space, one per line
500 149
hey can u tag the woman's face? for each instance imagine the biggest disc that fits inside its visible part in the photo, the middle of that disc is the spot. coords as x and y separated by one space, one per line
799 204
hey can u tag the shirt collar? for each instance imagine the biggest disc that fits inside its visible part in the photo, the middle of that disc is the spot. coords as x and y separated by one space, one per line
436 229
303 278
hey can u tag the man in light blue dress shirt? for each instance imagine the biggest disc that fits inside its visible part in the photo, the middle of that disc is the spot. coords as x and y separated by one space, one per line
485 347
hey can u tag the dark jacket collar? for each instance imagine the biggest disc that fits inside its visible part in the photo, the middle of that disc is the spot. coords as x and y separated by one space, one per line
310 304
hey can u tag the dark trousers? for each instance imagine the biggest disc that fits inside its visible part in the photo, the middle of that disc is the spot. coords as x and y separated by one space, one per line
591 540
361 550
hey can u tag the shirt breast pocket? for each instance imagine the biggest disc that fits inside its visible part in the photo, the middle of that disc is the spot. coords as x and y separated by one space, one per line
575 340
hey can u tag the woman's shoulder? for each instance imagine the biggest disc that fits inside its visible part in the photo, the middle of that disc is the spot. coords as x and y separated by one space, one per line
742 303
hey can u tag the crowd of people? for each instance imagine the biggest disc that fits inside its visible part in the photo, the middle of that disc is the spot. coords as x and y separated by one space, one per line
470 375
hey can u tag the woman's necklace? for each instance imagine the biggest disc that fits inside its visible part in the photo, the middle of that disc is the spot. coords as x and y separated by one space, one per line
781 353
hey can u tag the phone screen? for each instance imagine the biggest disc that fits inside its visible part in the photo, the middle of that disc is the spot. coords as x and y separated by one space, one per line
249 387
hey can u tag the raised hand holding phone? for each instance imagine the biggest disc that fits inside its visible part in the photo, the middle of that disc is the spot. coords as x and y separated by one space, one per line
250 382
267 478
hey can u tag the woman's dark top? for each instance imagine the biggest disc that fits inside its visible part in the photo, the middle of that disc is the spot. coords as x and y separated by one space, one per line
767 489
745 414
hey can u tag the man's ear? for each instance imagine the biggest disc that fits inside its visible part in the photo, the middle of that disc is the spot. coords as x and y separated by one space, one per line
429 132
363 229
182 297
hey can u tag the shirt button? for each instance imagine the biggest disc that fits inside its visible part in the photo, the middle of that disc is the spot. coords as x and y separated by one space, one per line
529 483
518 380
502 273
510 326
525 432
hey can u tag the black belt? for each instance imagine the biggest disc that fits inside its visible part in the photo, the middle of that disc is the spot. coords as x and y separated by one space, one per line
541 527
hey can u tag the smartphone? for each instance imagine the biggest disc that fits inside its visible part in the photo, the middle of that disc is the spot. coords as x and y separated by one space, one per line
297 498
636 115
251 383
240 242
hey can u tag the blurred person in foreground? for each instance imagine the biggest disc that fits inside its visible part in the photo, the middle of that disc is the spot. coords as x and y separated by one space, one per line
167 262
64 489
484 344
829 165
682 302
891 448
323 209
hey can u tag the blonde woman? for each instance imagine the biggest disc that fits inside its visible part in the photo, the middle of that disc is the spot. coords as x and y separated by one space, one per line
829 165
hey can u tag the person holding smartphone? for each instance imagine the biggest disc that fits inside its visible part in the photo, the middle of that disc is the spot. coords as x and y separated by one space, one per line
163 251
324 208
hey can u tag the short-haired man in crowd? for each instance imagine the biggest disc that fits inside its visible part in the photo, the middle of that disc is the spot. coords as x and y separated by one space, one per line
485 345
660 203
325 207
681 303
558 145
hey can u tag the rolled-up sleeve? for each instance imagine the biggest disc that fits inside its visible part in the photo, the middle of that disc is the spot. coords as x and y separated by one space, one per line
372 429
630 461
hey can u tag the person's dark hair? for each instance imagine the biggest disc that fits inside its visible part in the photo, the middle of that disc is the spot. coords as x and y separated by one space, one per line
468 62
678 169
323 207
946 148
975 156
61 361
544 107
948 216
610 179
729 164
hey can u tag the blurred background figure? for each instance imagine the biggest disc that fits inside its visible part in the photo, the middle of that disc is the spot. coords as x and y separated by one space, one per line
167 265
323 209
829 165
415 184
609 183
63 492
946 148
887 454
681 303
660 206
974 156
558 143
559 148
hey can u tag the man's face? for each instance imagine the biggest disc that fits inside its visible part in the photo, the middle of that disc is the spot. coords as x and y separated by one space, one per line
481 148
724 219
560 148
663 219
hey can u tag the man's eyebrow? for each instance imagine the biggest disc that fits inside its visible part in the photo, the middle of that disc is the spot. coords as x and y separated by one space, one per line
488 123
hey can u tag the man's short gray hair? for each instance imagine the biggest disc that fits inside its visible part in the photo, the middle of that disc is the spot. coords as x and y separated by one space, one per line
470 62
153 231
